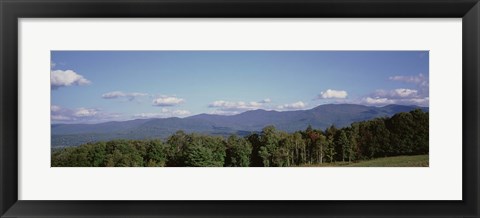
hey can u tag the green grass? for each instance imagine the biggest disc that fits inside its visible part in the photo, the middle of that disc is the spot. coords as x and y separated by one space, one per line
399 161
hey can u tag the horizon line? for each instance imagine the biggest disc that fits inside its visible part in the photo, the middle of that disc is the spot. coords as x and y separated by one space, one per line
228 115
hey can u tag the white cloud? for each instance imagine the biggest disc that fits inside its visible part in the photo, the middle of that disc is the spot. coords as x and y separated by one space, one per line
79 115
403 96
225 113
85 112
420 80
115 94
330 93
163 114
256 104
396 93
378 101
60 118
119 94
405 93
293 106
181 113
137 94
420 101
60 78
148 115
234 107
55 108
167 101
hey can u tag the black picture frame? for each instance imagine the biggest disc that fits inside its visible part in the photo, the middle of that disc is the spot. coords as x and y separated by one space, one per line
12 10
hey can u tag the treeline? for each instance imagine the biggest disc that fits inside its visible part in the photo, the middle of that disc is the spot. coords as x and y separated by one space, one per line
402 134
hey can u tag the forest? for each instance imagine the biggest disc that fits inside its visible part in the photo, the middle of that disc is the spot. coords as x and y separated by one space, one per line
405 133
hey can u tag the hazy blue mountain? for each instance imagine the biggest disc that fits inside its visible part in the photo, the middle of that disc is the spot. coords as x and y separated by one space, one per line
319 117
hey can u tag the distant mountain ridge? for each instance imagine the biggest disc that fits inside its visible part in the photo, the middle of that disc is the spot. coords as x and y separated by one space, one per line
320 117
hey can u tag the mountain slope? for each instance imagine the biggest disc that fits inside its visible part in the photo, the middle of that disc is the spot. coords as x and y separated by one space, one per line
319 117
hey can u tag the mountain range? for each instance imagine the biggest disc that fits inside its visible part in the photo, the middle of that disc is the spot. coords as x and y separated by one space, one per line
320 117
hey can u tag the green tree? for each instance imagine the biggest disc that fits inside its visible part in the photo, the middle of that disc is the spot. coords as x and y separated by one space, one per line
402 137
123 154
405 133
204 151
97 154
320 145
421 136
255 159
156 153
330 148
343 143
352 150
269 139
294 147
177 143
238 152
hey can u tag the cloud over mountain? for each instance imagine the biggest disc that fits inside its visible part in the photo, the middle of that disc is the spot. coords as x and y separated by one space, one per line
234 107
167 101
119 94
82 114
420 79
293 106
405 96
61 78
333 94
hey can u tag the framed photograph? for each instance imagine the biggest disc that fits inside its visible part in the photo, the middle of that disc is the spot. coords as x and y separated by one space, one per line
239 108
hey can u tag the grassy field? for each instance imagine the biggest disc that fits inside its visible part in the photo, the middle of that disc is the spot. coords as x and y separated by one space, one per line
399 161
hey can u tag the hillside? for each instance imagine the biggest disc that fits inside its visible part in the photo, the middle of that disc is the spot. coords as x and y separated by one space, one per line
319 117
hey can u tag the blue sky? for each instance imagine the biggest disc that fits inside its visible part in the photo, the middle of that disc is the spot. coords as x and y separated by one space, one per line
97 86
